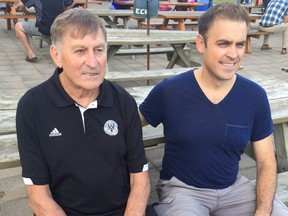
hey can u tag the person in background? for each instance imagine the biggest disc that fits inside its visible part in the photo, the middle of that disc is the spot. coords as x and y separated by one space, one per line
275 19
46 12
115 6
79 135
209 115
164 7
265 3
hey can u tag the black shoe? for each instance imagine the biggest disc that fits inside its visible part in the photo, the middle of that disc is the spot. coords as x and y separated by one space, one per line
33 60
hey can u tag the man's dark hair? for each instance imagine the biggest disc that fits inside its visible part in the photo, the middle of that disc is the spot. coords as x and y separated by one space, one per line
224 11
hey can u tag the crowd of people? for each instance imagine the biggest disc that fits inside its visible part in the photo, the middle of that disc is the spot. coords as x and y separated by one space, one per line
80 135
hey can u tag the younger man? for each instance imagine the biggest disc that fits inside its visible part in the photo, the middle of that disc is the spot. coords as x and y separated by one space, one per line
209 115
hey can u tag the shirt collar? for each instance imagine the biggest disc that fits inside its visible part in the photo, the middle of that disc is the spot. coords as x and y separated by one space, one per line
62 99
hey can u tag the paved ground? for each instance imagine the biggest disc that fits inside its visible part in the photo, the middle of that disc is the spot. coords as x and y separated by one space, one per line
16 76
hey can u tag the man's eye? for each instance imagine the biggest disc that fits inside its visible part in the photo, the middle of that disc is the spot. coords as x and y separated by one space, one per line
80 50
240 45
99 50
223 44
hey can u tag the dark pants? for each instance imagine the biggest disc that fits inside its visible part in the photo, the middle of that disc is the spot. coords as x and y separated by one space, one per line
149 211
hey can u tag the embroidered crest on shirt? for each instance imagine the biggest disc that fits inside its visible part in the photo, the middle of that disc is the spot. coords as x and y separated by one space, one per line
111 128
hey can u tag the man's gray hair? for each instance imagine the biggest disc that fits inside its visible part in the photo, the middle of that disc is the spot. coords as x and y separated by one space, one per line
78 22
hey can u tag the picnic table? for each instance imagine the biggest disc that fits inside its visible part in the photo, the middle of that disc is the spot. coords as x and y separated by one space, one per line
84 3
117 38
176 5
179 18
276 89
111 16
10 13
251 7
182 6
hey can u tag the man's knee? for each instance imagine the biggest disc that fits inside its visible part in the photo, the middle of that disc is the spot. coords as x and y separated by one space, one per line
19 27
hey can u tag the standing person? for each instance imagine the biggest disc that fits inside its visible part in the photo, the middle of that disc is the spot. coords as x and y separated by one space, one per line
209 115
273 20
79 135
46 12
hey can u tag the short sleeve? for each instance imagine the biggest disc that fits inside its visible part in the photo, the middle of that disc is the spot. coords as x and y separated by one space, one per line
32 160
263 124
136 158
152 106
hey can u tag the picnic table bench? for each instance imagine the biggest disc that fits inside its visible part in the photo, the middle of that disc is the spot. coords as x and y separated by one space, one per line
277 93
10 13
253 34
118 38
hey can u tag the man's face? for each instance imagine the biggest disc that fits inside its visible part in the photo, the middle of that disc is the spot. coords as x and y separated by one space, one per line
83 60
224 50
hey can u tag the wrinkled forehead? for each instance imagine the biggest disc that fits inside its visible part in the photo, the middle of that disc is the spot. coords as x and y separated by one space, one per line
80 32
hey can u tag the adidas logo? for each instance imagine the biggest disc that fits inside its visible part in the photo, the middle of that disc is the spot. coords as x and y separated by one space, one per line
55 133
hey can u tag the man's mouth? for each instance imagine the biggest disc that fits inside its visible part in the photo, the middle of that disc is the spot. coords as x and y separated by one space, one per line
91 74
228 64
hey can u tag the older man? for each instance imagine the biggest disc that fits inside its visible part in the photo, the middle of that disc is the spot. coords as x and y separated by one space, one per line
79 135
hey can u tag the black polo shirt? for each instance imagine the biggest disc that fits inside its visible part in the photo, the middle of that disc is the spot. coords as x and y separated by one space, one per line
87 169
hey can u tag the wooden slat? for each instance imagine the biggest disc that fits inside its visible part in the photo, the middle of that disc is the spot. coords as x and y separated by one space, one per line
17 16
144 75
153 50
7 121
254 34
125 37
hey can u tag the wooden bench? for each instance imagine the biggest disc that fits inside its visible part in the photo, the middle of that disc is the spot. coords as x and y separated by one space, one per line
146 75
15 18
151 136
157 23
253 34
169 51
8 113
153 50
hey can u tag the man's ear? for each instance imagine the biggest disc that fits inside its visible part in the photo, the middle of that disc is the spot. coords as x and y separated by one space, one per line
200 43
56 56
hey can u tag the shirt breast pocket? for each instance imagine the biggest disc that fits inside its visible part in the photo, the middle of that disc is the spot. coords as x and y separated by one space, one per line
236 136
